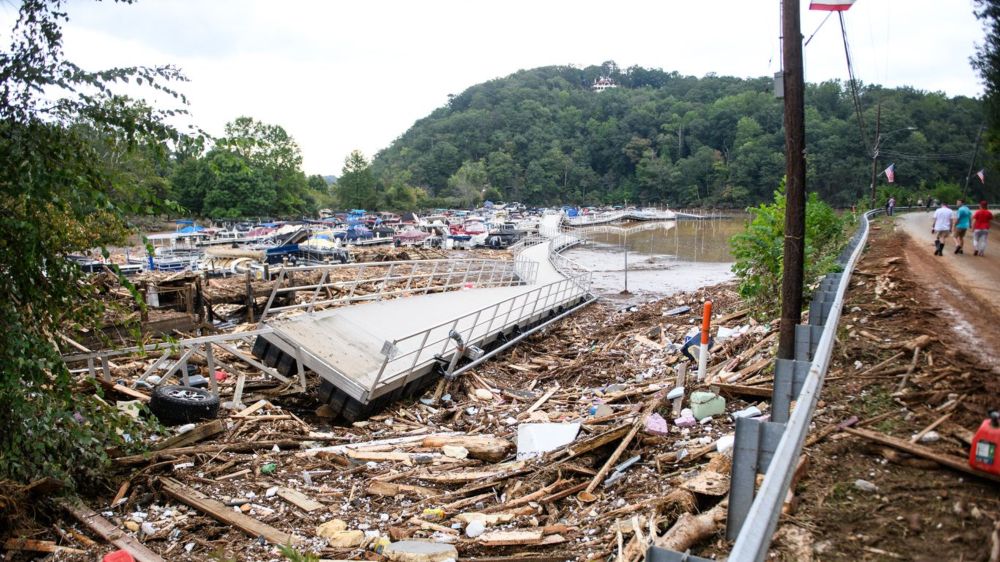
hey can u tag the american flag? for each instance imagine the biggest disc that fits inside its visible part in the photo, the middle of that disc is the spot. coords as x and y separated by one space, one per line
831 5
890 173
981 174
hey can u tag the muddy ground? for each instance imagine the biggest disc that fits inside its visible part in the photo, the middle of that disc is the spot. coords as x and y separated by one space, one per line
920 511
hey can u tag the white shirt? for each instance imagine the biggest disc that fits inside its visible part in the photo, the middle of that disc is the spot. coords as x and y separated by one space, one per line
942 218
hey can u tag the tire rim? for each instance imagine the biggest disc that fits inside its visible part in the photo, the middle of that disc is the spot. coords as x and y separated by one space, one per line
186 395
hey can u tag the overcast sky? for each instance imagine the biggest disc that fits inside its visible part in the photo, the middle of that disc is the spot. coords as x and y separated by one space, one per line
344 75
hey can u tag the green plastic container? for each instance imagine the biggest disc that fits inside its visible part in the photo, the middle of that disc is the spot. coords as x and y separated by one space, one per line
705 404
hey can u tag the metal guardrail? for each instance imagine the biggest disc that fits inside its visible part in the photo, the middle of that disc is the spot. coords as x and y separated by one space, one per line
755 448
379 280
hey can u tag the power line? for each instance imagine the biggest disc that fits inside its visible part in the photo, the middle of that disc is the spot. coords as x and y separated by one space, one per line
854 86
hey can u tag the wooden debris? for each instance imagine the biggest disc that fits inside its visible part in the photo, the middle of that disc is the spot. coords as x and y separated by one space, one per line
691 529
299 499
483 447
508 538
949 461
199 433
216 509
108 531
30 545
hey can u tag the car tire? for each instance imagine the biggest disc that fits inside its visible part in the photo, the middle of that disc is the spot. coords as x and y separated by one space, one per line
175 404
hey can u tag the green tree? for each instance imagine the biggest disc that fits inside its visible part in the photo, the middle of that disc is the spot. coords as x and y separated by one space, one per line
356 185
238 189
467 185
275 154
61 194
987 63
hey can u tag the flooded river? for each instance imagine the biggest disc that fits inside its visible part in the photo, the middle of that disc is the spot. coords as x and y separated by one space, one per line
663 258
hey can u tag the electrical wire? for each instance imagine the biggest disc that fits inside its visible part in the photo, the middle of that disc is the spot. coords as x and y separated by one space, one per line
854 85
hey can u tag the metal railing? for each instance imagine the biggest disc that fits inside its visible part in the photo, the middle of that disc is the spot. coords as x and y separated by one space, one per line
348 283
640 215
410 353
213 351
754 538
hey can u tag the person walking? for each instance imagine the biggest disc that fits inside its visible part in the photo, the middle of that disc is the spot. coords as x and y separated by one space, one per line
963 220
981 228
890 205
943 219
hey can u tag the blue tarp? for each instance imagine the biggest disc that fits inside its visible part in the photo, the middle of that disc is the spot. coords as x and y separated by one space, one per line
191 229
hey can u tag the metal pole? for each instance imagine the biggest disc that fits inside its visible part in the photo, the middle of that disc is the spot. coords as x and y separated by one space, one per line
878 137
972 164
795 187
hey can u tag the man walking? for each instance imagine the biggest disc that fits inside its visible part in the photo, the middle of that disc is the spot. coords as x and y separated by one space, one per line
890 205
943 218
963 220
981 228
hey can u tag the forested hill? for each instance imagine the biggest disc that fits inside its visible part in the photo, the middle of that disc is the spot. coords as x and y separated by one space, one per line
543 136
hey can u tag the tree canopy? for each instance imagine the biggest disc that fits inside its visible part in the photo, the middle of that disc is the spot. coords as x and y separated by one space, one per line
542 136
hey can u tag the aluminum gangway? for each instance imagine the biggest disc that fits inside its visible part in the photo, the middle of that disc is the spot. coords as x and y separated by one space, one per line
371 353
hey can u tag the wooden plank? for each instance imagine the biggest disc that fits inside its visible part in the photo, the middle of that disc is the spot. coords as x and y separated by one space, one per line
227 515
199 433
253 408
299 499
240 447
30 545
949 461
390 489
108 531
506 538
131 393
744 390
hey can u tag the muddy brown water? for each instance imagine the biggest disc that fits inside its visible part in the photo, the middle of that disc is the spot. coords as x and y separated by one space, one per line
668 258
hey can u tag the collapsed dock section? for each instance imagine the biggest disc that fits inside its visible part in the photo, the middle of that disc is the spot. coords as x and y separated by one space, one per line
373 353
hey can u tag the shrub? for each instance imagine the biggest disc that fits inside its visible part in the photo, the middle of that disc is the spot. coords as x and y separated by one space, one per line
759 250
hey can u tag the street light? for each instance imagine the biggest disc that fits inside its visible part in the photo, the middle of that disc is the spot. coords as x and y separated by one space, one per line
878 141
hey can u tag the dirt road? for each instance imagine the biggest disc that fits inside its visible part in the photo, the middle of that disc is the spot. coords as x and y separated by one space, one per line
967 287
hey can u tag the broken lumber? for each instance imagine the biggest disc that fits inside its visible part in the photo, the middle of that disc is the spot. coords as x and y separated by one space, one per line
219 511
949 461
389 489
483 447
241 447
508 538
108 531
199 433
649 408
31 545
689 529
299 499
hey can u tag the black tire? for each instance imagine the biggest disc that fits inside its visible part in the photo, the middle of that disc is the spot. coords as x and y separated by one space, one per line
175 404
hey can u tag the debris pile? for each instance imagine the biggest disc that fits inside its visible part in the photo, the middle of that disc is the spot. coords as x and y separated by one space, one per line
590 439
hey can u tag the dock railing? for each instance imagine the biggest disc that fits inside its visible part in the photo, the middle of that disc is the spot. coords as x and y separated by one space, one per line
375 281
413 352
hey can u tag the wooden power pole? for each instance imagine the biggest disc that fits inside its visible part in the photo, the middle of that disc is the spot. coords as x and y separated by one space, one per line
795 181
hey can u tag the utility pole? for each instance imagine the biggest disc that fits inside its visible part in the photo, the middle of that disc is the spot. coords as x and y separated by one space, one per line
795 181
975 153
878 126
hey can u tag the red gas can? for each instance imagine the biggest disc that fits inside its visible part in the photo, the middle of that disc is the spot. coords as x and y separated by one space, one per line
118 556
985 452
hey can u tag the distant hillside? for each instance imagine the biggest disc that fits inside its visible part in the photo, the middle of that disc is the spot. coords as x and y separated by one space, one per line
330 180
544 136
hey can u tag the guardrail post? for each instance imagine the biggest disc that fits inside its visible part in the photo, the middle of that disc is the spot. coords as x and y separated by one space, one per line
789 376
806 339
753 449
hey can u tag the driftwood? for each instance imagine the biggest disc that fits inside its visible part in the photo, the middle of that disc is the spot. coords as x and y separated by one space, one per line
482 447
949 461
689 529
219 511
109 531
